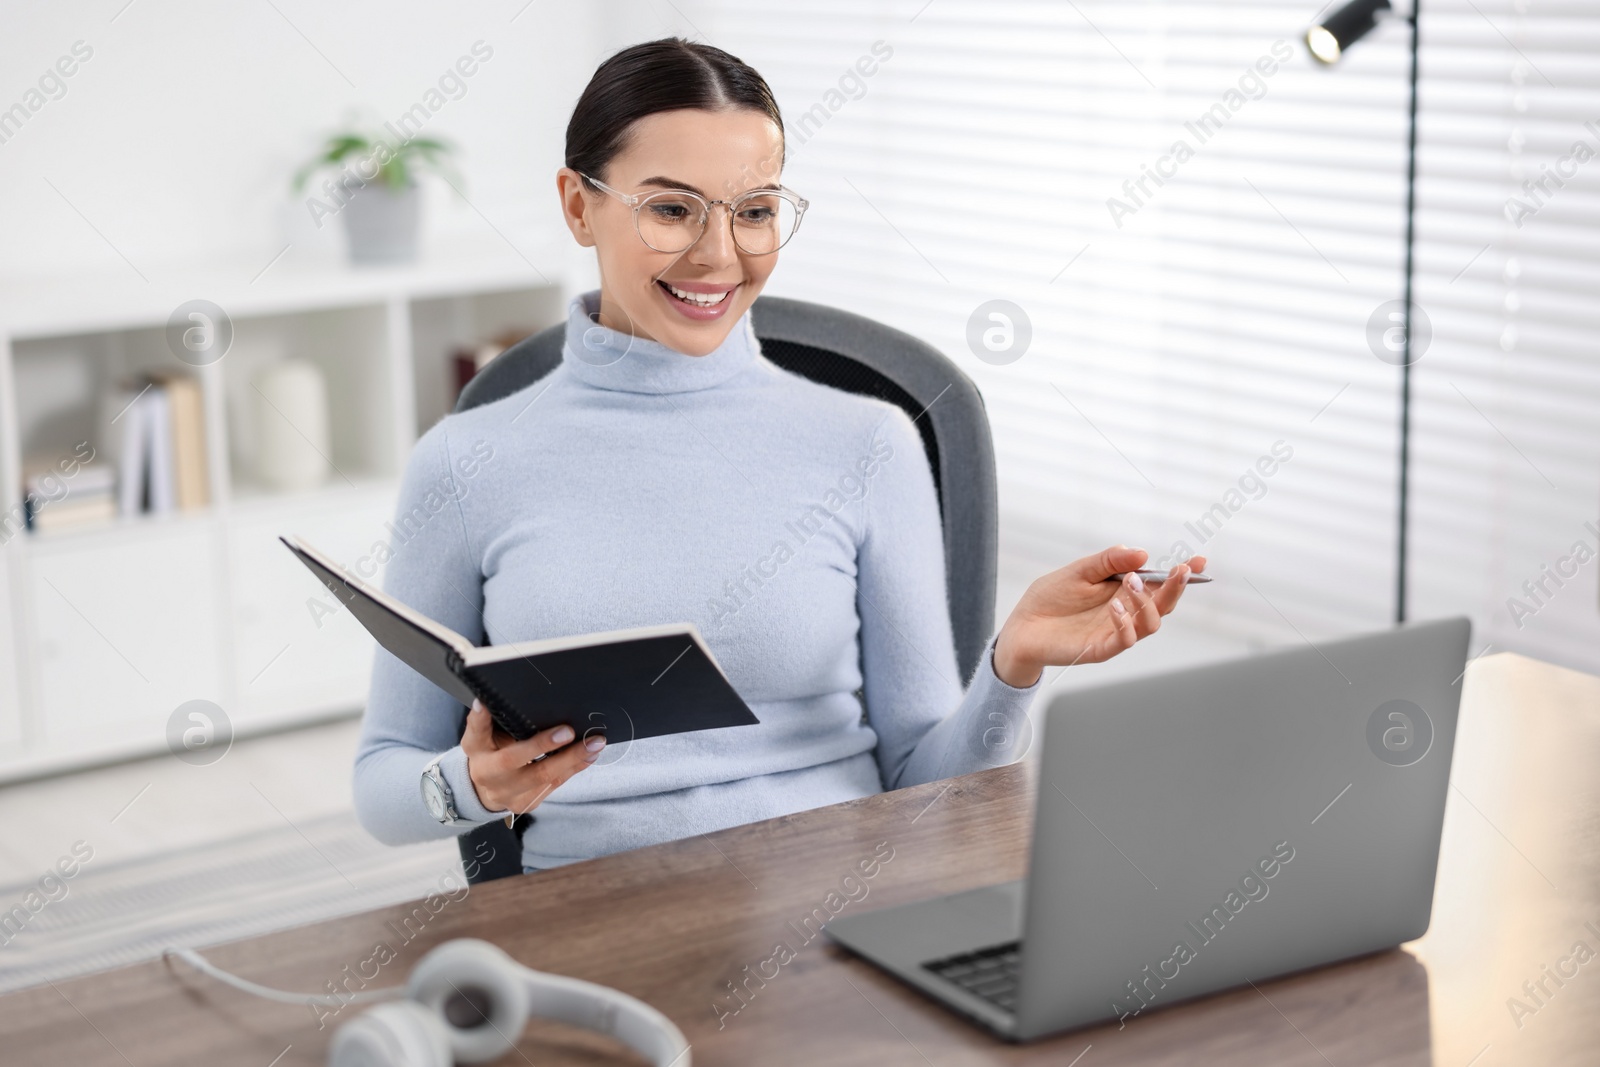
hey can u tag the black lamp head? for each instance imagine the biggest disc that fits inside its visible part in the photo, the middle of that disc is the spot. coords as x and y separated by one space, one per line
1328 39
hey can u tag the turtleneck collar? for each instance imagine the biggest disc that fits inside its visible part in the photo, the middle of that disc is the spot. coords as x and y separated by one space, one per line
609 359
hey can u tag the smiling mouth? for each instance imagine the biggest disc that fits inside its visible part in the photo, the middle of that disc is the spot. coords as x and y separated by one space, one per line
699 300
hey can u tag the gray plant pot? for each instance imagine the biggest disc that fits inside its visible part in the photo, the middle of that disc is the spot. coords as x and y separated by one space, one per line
382 223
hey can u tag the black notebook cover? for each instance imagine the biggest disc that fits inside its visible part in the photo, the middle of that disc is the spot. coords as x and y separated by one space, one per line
626 684
641 688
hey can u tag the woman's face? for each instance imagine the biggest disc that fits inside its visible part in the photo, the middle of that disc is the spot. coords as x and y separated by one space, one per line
718 154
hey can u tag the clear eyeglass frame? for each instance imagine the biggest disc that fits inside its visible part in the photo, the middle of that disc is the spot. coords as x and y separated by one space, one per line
635 201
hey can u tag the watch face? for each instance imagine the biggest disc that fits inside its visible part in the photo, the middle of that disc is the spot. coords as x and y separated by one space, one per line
433 798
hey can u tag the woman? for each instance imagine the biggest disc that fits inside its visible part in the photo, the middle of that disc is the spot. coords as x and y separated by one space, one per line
669 473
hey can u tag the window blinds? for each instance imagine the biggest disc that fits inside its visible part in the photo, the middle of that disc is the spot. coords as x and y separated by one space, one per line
1196 230
1507 402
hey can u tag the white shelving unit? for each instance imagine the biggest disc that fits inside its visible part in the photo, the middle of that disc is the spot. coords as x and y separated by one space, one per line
107 629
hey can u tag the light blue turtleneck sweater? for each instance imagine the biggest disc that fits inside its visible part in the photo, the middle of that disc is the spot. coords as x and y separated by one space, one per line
796 525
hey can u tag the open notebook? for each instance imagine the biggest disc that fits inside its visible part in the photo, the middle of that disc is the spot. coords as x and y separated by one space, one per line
626 684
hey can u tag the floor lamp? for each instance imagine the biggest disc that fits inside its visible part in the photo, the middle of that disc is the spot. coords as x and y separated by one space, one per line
1327 41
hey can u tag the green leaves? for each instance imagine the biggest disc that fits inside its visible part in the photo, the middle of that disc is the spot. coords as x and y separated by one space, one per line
372 157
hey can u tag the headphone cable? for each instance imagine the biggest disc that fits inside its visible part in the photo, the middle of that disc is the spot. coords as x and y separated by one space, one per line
205 966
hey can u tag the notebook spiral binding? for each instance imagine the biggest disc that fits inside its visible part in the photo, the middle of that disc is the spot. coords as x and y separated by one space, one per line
503 710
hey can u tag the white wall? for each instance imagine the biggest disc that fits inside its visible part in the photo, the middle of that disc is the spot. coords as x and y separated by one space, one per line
177 137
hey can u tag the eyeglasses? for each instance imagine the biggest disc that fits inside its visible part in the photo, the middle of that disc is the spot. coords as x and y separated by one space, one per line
762 220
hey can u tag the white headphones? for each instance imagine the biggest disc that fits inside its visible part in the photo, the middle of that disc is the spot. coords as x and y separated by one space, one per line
467 1002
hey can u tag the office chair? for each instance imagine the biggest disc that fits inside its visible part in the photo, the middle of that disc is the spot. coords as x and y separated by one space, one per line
852 353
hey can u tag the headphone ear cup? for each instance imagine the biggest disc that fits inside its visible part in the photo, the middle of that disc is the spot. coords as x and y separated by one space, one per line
480 994
399 1033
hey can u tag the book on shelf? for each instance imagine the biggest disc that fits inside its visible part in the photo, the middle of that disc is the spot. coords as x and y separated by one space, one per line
73 490
154 428
186 414
65 514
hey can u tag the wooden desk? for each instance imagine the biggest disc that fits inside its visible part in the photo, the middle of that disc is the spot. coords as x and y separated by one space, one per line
1519 879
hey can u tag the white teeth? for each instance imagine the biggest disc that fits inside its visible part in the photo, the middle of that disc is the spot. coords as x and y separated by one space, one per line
704 300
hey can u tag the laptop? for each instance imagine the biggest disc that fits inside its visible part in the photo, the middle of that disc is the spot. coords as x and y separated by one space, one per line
1200 829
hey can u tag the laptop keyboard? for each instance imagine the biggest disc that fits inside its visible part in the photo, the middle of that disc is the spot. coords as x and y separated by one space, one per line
990 973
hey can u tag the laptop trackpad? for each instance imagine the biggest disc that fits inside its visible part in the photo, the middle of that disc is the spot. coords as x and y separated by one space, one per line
912 934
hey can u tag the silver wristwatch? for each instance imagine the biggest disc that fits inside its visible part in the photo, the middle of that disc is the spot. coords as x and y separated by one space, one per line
441 803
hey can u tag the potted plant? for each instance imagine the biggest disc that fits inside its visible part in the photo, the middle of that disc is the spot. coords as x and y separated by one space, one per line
374 189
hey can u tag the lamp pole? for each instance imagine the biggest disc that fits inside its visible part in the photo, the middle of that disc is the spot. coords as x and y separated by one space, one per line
1326 41
1403 545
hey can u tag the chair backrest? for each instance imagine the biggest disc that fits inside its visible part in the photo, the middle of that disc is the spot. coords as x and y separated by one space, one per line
856 354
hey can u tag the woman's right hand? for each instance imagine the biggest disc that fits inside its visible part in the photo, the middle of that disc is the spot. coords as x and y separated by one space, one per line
502 770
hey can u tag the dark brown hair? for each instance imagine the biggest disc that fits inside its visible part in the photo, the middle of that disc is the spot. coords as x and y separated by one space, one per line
665 75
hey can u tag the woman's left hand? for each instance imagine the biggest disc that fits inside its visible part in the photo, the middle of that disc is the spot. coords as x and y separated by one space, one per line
1076 615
